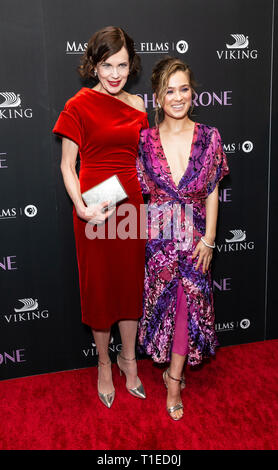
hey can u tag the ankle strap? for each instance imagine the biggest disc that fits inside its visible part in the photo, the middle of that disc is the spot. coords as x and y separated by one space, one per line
126 359
173 378
104 363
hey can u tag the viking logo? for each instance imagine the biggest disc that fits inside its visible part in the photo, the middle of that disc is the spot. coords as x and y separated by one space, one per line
241 42
28 304
238 236
11 100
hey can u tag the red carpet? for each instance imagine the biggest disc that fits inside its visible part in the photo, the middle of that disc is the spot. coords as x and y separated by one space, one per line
229 403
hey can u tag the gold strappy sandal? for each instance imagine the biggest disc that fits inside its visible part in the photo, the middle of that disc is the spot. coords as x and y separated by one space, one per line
182 381
179 405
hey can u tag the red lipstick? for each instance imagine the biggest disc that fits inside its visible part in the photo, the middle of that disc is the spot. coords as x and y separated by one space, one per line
114 84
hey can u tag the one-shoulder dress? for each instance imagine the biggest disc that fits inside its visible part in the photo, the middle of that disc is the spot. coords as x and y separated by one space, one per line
111 269
178 314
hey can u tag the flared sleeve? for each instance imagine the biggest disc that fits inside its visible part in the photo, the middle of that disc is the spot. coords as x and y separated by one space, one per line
69 124
217 164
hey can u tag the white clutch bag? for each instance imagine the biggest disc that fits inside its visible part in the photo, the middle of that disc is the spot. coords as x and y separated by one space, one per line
110 189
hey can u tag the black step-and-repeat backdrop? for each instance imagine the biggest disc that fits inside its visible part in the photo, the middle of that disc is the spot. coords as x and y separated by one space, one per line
229 46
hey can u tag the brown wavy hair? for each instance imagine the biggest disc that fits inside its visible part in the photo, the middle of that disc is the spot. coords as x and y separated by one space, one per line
103 44
160 79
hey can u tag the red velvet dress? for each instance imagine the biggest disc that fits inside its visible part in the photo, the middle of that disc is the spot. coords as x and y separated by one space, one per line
111 271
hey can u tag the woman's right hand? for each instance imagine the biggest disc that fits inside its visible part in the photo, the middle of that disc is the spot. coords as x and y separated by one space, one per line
95 214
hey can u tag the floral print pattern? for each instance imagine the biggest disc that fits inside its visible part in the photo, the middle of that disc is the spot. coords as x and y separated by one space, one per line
166 265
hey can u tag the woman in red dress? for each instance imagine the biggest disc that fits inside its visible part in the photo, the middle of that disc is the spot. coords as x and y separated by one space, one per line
102 124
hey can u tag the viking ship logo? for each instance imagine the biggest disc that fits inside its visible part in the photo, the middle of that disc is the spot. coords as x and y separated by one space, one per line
241 42
238 236
28 304
11 100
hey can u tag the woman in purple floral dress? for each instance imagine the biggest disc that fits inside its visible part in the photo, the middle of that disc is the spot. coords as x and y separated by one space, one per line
180 164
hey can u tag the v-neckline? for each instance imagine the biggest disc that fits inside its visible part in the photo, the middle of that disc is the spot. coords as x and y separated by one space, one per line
169 172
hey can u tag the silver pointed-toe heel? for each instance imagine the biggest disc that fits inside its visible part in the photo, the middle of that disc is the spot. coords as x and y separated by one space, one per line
106 398
137 392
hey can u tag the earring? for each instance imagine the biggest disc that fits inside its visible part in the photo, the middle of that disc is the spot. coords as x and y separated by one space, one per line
158 104
95 73
191 109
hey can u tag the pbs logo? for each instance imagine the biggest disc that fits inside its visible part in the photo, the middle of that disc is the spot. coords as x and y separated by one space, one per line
30 210
182 46
245 323
247 146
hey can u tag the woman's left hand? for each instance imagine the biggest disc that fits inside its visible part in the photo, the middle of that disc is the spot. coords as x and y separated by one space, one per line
204 254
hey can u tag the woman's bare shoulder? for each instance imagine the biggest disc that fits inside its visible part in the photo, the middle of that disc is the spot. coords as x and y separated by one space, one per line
136 102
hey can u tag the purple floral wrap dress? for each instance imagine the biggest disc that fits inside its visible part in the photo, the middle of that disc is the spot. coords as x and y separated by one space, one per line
168 267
